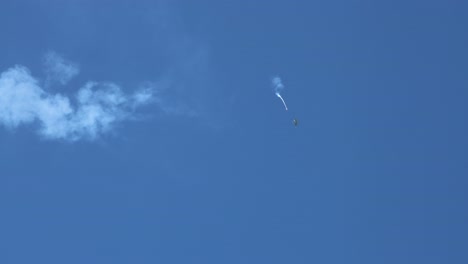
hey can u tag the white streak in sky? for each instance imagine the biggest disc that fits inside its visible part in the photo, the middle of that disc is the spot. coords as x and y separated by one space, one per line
279 95
278 87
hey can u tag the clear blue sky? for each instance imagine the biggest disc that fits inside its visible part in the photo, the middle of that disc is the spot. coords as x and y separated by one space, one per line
149 132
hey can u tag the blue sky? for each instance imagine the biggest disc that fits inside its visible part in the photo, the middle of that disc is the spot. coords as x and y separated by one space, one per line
149 132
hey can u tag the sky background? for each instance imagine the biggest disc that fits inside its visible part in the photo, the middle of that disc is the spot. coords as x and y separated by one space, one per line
211 169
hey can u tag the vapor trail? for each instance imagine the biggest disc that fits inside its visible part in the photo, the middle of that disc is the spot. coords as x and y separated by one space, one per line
278 86
279 95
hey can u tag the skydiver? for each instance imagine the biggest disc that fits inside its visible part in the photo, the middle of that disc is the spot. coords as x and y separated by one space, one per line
295 122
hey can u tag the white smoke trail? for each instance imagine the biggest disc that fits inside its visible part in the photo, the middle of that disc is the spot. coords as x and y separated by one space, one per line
278 86
279 95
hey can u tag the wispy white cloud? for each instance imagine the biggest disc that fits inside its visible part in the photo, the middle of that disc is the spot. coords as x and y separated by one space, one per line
95 109
59 69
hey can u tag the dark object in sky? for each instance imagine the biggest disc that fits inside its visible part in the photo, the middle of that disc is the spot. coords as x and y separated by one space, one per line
295 122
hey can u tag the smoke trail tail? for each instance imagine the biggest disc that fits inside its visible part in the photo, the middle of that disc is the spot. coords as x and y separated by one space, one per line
279 95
